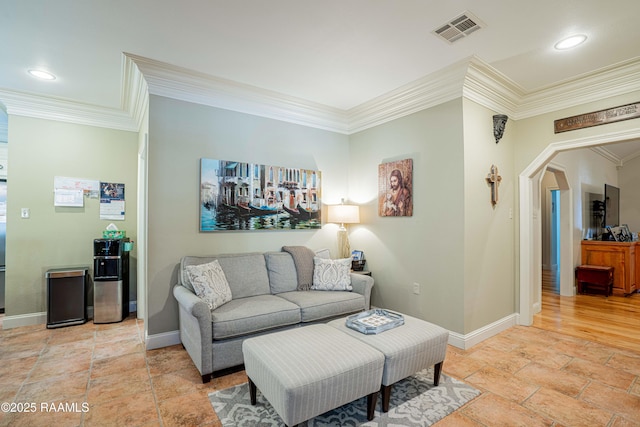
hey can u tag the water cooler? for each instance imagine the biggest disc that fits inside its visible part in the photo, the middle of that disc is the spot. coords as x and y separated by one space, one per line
110 280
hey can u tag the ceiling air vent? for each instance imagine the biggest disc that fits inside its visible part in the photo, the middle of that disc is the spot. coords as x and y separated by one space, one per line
459 27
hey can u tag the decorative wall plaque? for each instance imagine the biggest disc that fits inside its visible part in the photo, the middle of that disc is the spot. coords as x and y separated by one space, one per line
617 114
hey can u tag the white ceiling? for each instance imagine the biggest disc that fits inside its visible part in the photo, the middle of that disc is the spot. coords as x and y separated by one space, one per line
338 53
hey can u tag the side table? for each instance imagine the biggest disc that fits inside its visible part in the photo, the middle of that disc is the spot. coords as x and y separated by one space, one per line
363 272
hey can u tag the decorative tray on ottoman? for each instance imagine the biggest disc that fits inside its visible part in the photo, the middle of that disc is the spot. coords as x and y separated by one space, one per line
374 321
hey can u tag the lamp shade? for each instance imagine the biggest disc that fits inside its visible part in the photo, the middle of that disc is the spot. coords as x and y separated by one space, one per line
344 214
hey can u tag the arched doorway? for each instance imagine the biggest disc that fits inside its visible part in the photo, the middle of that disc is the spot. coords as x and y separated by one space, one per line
529 224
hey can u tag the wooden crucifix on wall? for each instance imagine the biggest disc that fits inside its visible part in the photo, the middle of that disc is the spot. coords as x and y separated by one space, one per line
494 180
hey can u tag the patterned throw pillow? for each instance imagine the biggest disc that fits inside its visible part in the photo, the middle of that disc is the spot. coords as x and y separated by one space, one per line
210 283
331 274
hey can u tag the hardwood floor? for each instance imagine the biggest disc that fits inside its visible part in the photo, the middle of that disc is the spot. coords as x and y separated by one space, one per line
612 320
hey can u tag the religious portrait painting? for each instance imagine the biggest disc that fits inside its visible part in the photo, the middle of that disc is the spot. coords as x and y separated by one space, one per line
395 188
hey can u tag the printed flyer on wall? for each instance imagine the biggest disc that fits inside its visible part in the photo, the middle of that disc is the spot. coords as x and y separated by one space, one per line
111 201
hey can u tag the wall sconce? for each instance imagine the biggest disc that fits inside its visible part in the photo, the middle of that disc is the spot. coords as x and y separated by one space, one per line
343 214
499 122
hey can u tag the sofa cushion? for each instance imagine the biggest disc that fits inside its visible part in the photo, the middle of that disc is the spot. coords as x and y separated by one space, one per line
331 274
282 272
318 305
246 273
210 283
245 316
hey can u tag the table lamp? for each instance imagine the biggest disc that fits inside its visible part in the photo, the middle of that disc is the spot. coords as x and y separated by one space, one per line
343 214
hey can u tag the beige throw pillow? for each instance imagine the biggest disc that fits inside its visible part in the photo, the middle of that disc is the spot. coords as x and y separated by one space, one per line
210 283
331 274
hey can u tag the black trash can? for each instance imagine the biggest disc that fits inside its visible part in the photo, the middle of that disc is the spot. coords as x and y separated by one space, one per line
67 296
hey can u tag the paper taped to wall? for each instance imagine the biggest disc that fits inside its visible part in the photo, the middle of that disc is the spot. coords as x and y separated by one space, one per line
70 198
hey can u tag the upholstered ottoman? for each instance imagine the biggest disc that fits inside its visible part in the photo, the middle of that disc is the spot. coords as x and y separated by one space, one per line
307 371
407 349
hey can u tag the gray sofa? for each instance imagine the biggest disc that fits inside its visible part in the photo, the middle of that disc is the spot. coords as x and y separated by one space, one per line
265 298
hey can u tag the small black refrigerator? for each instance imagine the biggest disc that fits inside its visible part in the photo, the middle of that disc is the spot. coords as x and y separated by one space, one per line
110 280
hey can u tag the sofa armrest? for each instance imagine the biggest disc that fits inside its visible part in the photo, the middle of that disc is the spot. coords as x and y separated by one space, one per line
362 284
195 329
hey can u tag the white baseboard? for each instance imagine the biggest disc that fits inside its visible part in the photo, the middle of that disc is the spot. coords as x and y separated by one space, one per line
467 341
164 339
29 319
167 339
536 308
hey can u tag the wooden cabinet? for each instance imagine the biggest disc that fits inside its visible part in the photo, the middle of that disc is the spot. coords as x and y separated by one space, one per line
624 257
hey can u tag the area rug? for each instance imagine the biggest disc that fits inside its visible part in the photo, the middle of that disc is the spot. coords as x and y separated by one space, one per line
414 402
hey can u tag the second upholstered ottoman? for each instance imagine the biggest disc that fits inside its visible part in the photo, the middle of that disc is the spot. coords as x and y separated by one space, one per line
408 348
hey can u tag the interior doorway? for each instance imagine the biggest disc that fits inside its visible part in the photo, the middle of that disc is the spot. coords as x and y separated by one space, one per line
558 244
551 234
529 266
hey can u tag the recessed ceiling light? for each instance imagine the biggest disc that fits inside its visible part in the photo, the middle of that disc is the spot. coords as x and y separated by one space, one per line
41 74
570 42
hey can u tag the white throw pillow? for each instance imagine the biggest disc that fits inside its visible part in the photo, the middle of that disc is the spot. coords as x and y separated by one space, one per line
210 283
331 274
323 253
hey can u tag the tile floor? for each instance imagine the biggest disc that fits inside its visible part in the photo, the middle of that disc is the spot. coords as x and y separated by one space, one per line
101 376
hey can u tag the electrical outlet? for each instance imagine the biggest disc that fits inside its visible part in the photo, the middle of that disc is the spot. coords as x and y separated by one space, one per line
25 213
416 288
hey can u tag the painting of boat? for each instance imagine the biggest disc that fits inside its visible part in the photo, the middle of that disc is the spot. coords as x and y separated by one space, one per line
247 196
302 213
264 210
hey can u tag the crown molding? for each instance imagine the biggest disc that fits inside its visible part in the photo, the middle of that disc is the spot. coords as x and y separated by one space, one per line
434 89
187 85
617 79
602 151
470 78
28 105
486 86
616 160
135 91
630 157
134 96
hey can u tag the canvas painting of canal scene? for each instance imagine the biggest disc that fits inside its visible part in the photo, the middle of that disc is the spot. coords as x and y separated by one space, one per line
250 196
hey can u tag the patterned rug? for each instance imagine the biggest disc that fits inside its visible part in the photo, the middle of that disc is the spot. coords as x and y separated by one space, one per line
414 402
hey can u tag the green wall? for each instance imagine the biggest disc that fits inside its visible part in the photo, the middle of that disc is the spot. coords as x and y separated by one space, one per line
460 250
180 134
427 248
55 237
489 230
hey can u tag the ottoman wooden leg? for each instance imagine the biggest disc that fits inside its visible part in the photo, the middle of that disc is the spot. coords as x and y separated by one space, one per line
252 392
386 397
372 399
437 370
